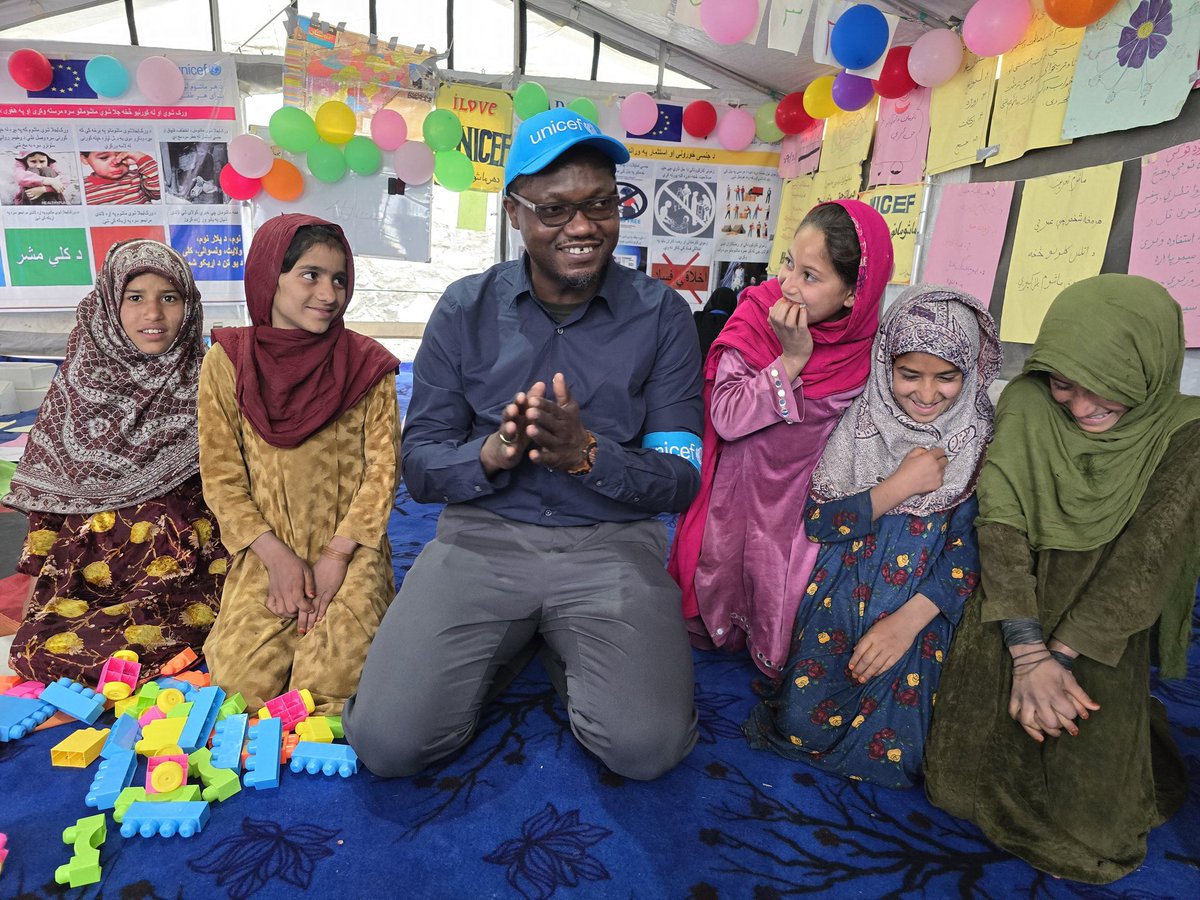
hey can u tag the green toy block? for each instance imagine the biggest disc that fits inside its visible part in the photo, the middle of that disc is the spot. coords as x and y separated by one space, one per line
185 793
129 795
335 725
235 705
219 784
180 710
87 835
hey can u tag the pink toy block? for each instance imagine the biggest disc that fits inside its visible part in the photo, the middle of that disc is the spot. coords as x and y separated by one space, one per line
169 779
30 689
289 708
150 715
3 849
119 677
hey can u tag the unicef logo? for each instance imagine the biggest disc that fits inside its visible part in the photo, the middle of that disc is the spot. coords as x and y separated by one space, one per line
215 70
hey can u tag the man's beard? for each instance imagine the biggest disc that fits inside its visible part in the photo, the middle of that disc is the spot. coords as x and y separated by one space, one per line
577 282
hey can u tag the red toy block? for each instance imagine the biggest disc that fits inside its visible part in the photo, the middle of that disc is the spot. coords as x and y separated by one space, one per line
179 662
289 708
119 677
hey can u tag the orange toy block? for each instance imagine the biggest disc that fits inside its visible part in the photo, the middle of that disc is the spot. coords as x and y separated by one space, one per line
285 753
8 682
80 749
179 662
195 679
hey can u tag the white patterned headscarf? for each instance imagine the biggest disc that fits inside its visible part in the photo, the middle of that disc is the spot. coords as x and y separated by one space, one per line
875 434
118 426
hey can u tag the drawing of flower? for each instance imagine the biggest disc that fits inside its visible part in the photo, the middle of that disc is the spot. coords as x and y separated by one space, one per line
264 851
551 853
1146 33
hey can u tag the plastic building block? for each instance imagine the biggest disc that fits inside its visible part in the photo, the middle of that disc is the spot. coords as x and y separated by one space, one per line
122 735
219 784
289 708
3 850
181 710
196 679
234 706
206 702
168 698
74 699
8 682
20 715
119 677
165 819
263 749
328 759
125 799
114 775
335 725
227 742
159 734
31 689
180 661
315 730
139 702
87 835
80 749
188 793
166 771
290 741
175 684
153 714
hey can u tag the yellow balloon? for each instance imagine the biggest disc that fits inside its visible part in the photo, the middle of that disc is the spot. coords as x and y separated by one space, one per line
818 98
336 122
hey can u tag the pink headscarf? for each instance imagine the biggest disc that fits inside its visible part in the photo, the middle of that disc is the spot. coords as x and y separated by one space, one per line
841 361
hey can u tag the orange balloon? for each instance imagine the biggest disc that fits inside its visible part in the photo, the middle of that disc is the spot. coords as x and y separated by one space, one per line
284 181
1078 13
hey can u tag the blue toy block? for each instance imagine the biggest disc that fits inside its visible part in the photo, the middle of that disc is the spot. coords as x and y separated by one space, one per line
328 759
20 715
114 775
263 749
206 703
184 687
227 742
122 735
184 818
74 699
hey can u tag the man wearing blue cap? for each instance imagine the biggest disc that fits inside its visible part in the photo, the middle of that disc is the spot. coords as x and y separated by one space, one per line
555 409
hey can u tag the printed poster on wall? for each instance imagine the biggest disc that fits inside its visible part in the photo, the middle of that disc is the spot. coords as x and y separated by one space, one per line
486 115
80 172
900 207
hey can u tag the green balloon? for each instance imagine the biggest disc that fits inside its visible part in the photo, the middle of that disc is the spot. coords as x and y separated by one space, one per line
442 130
530 99
362 155
326 162
293 129
453 170
765 128
585 108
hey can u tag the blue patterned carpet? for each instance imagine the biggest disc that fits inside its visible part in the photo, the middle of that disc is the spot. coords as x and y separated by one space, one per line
524 812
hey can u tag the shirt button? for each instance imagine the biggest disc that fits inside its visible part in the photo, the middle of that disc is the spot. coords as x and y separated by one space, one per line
774 373
547 512
445 499
720 631
599 483
781 392
560 331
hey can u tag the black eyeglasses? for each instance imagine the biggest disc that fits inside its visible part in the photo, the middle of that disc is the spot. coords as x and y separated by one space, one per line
556 214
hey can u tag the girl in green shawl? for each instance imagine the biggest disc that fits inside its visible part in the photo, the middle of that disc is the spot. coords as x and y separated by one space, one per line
1045 734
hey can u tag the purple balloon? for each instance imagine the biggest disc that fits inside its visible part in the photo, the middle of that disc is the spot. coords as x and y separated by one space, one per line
852 92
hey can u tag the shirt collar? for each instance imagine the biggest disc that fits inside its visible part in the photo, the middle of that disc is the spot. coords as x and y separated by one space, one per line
610 284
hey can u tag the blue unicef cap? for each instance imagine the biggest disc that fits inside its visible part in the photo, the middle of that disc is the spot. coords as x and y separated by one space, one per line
545 137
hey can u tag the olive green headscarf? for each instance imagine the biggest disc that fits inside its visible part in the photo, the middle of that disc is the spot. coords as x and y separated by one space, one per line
1121 337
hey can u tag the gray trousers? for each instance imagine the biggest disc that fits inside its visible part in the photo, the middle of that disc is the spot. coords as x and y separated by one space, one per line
476 597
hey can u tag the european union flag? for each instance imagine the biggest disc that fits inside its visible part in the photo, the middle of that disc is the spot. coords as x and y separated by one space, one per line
669 126
68 83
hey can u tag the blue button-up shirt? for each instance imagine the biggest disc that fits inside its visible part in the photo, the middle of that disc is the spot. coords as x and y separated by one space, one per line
631 360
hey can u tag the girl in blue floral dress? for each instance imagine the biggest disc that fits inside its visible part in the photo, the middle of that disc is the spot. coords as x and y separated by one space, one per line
893 507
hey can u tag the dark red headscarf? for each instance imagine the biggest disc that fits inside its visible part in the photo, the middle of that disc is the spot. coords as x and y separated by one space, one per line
292 383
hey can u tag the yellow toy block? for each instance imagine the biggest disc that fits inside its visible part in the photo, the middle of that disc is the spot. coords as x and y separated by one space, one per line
315 729
159 734
79 750
169 698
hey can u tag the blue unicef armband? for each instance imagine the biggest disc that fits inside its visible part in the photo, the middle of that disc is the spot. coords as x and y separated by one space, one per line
678 443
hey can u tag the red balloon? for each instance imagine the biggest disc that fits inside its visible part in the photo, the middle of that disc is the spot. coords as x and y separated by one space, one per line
238 186
30 69
790 115
699 118
894 81
1078 13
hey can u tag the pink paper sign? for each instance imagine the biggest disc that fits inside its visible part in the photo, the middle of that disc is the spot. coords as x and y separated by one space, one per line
801 153
1166 229
901 139
968 234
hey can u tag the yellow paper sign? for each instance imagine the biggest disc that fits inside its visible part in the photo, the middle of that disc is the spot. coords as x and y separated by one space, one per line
900 206
486 116
958 116
848 137
1061 236
472 211
1035 82
793 205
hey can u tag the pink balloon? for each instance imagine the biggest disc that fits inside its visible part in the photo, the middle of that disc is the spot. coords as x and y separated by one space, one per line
728 21
250 156
239 187
159 80
936 57
993 27
639 113
413 162
388 129
735 131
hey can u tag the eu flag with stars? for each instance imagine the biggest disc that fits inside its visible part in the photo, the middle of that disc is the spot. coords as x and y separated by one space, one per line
669 126
68 83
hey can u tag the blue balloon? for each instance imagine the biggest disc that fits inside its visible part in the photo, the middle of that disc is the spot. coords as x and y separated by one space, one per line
859 37
106 76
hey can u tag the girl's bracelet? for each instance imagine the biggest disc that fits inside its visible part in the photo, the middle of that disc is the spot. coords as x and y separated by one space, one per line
339 555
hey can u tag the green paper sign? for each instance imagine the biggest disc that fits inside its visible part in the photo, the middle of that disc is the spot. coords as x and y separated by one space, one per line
45 257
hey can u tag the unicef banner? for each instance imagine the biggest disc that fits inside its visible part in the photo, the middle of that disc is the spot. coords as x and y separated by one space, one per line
129 146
